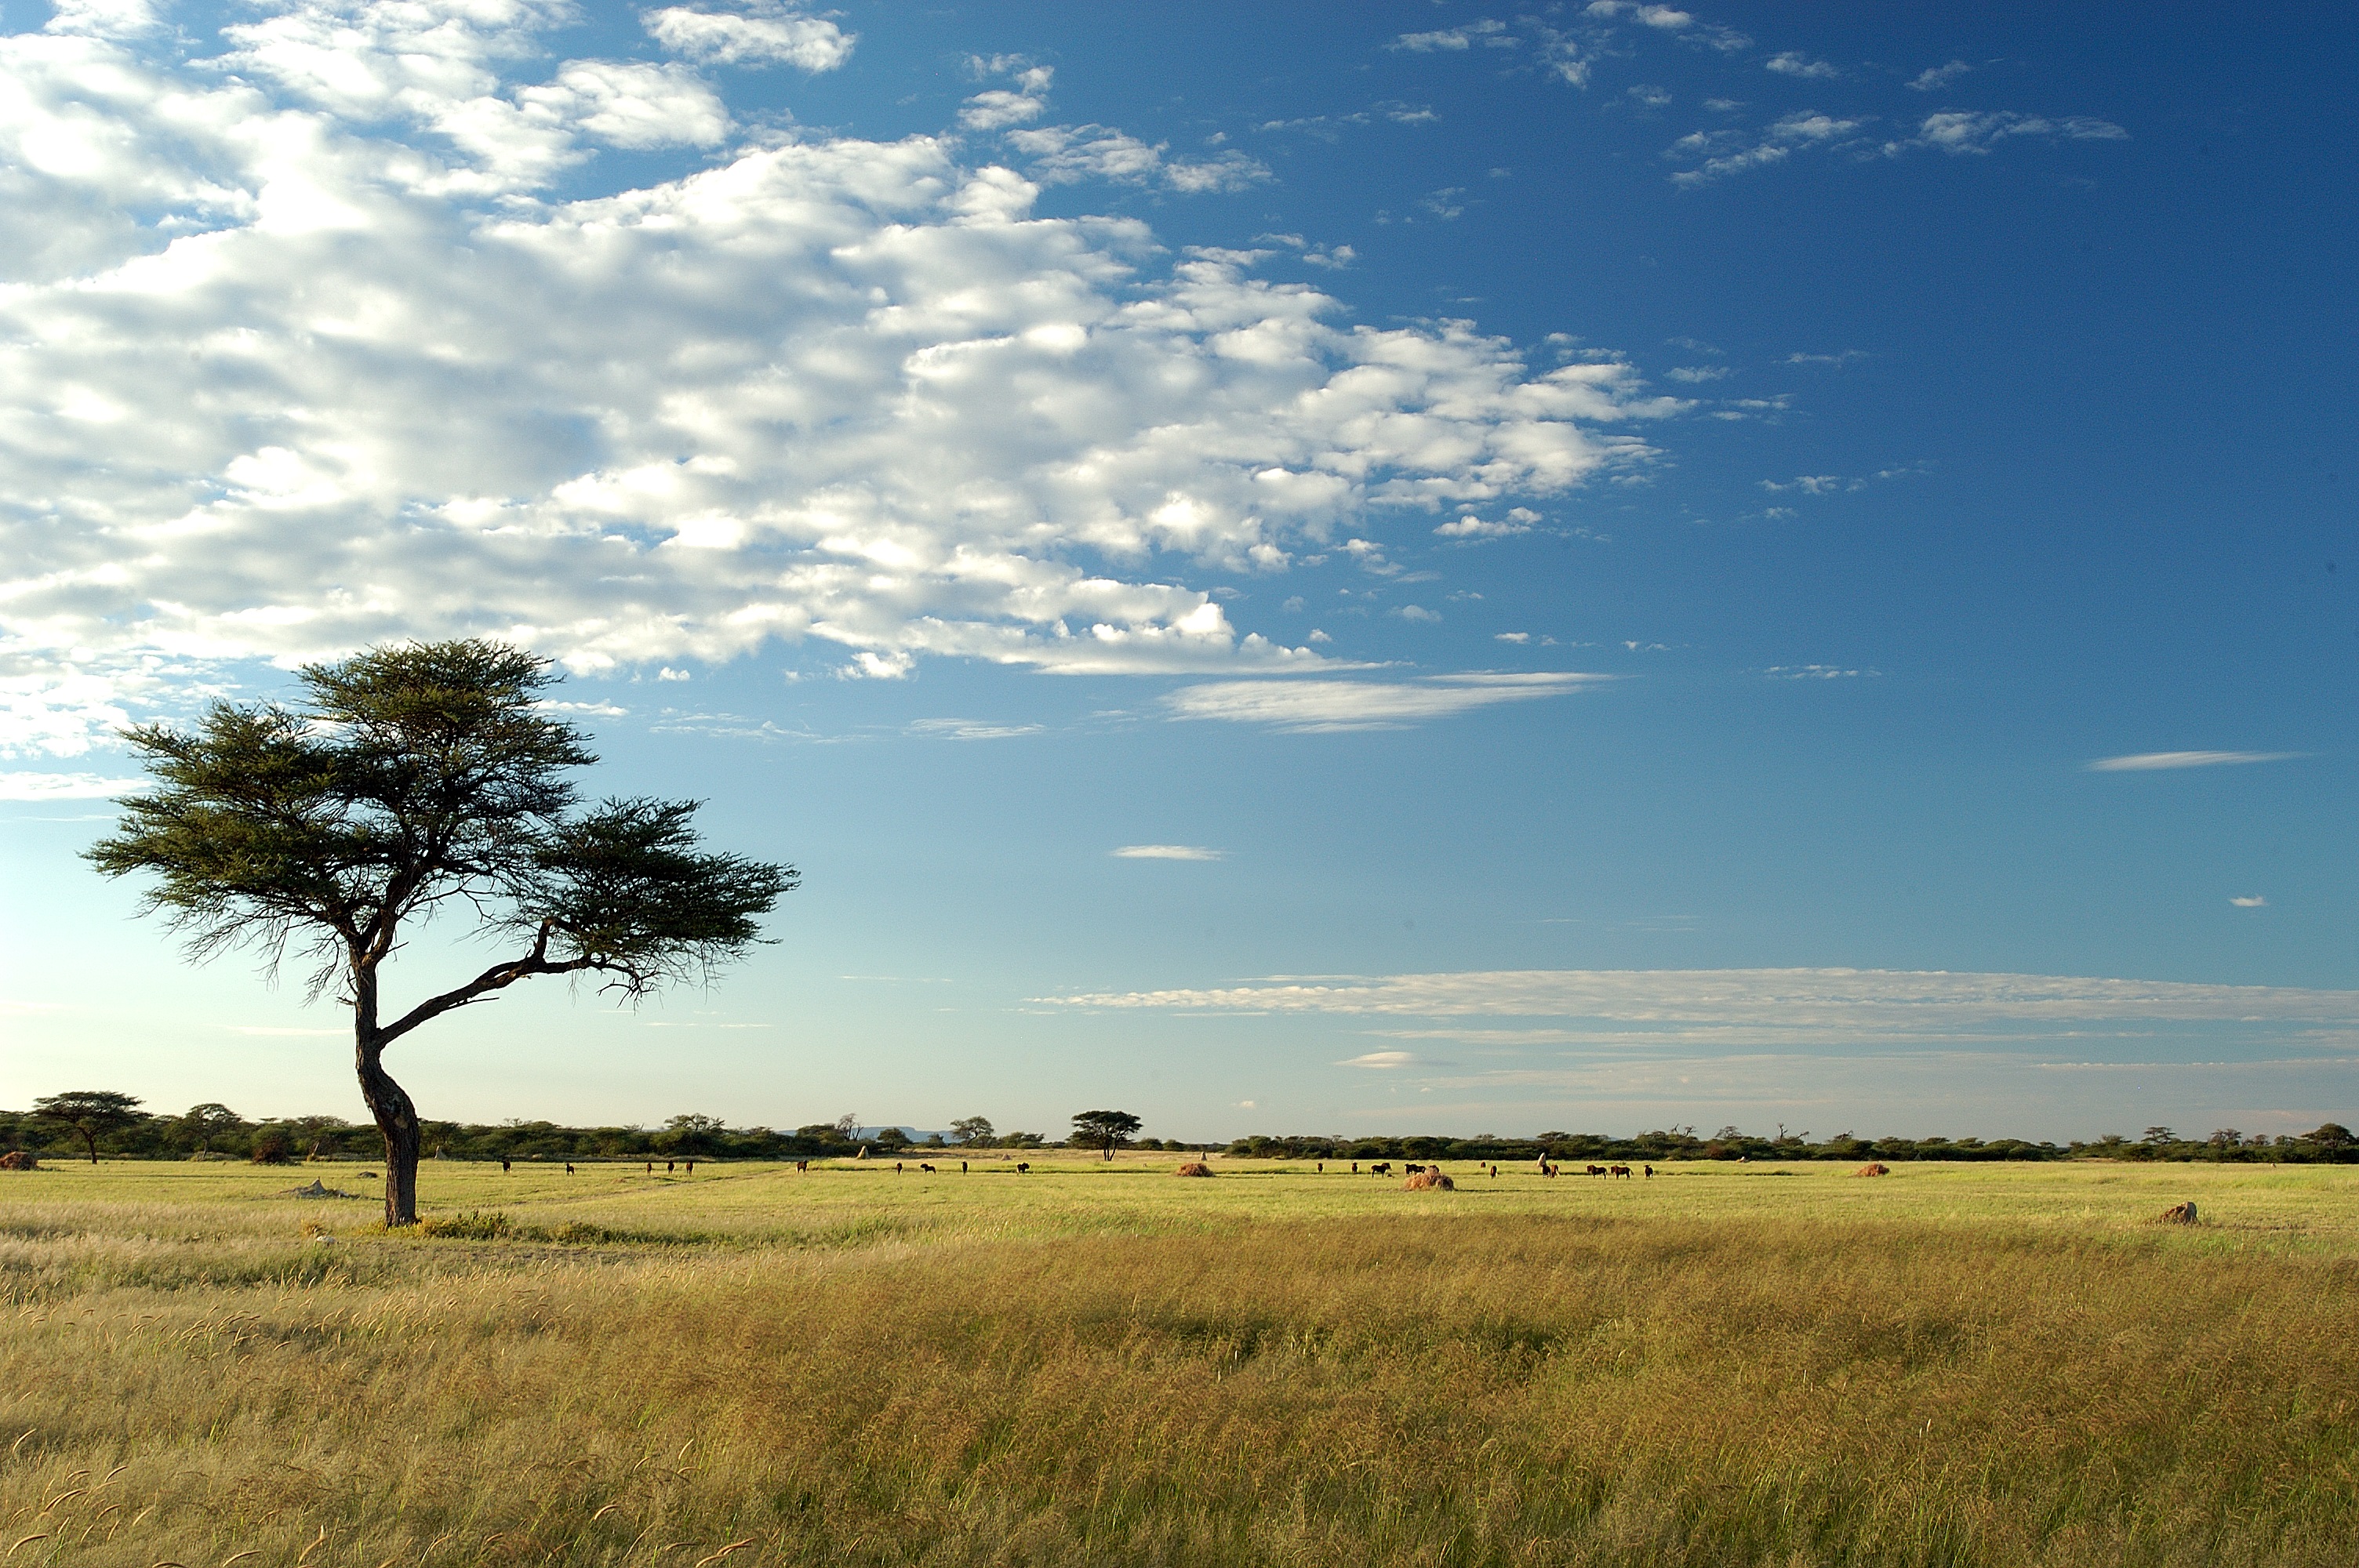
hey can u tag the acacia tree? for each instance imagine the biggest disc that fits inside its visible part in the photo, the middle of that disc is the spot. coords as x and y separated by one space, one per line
411 782
90 1112
1106 1130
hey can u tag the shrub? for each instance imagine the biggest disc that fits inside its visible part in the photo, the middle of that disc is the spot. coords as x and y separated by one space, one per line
1193 1168
471 1226
273 1149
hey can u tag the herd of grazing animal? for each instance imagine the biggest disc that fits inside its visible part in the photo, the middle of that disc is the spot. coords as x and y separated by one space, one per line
1376 1168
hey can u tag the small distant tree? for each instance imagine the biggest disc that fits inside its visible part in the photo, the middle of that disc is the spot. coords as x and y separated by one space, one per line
847 1126
2330 1135
693 1135
1106 1130
90 1112
2158 1136
972 1131
201 1124
891 1138
410 782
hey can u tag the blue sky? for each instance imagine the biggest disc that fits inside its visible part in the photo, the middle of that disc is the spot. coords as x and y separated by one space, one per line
1306 569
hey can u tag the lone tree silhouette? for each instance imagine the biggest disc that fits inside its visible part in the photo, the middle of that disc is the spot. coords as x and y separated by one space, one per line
414 780
90 1112
1106 1130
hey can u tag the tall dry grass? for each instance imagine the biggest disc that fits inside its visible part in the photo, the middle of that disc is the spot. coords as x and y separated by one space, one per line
1445 1389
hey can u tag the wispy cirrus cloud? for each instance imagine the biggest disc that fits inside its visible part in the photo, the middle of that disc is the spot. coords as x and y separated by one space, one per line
1766 1006
1329 707
64 786
1168 852
2158 762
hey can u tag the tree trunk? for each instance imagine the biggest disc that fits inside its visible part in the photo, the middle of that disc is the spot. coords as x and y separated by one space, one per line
86 1138
397 1119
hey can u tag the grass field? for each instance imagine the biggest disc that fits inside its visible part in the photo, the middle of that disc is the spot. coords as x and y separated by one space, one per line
1092 1364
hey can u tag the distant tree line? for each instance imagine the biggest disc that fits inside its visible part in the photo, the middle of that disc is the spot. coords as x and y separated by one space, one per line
2329 1143
97 1122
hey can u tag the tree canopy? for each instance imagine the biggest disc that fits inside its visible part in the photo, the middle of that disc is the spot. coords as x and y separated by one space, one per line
90 1112
1106 1130
412 782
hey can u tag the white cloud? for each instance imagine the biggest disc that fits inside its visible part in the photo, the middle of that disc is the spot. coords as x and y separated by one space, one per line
1066 155
64 786
1720 154
760 35
1961 131
1326 706
1168 852
1939 75
2151 761
999 109
1383 1060
970 730
1416 612
1451 38
1694 374
824 391
1814 672
2256 901
1518 520
1788 63
1768 1005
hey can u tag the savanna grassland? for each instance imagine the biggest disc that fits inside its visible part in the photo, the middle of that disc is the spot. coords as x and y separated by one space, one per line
1729 1364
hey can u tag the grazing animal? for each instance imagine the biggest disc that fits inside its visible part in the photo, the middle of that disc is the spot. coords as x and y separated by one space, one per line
569 1167
1355 1167
1022 1166
897 1167
1621 1170
1594 1171
1322 1167
670 1166
2179 1214
1874 1168
1650 1173
1412 1170
961 1167
1382 1168
802 1166
1495 1172
692 1167
923 1166
504 1167
651 1167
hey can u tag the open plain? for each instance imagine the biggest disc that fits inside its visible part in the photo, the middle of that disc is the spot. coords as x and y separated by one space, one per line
1095 1363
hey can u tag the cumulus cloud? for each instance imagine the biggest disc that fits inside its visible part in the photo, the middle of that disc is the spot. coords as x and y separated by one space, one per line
759 35
1326 706
1939 76
1789 63
1168 852
823 390
2152 762
1767 1005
